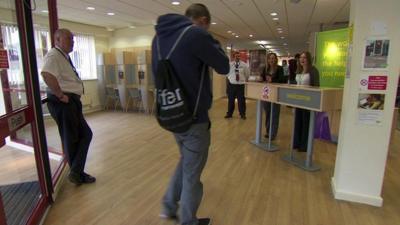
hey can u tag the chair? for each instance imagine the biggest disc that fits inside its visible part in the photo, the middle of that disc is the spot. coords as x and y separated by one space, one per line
112 95
135 97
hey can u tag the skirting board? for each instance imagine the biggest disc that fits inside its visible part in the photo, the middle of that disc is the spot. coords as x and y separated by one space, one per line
354 197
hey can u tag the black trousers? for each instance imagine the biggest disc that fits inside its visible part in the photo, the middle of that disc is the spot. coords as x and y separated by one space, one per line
301 127
236 91
275 117
75 133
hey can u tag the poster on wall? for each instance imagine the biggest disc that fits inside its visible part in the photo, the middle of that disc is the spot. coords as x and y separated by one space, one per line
377 82
376 53
370 108
331 57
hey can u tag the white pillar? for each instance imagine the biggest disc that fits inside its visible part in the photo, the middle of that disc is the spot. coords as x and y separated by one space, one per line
362 149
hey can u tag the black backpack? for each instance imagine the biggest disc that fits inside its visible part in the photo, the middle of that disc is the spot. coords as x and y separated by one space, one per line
172 108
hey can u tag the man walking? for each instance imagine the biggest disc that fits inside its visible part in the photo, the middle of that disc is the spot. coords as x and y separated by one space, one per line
196 49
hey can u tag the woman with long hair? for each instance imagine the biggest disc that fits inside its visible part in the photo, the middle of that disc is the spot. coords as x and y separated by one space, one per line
273 73
306 74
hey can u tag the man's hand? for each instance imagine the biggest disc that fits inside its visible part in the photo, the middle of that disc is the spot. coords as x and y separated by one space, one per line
64 98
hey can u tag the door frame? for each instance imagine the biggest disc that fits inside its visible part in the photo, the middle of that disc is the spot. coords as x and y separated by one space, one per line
31 113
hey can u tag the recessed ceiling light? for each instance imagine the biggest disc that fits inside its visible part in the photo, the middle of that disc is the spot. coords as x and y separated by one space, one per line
110 13
213 23
282 37
175 2
250 35
90 8
284 43
131 26
279 28
275 18
45 11
273 14
229 31
236 36
268 46
261 42
279 31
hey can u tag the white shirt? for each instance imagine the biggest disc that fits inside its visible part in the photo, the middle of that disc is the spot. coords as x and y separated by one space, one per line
58 65
243 72
303 79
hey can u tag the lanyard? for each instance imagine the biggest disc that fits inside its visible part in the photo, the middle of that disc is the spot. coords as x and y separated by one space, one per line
72 65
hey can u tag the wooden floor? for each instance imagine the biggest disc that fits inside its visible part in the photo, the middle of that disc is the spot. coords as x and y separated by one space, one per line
133 160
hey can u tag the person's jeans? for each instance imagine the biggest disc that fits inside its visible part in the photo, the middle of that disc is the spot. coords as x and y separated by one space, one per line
185 186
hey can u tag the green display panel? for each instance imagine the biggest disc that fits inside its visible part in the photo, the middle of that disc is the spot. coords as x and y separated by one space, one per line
331 56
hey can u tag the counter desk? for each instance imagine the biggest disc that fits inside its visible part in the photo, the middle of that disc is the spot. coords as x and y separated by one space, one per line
315 99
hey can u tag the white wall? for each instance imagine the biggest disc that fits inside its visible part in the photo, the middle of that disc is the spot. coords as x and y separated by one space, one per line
362 149
128 37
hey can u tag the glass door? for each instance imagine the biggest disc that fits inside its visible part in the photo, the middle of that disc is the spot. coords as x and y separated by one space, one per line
25 178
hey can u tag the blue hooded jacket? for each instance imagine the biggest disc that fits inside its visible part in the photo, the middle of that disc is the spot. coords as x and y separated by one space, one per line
196 48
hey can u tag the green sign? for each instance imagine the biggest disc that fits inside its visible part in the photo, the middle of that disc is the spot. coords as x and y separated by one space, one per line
331 57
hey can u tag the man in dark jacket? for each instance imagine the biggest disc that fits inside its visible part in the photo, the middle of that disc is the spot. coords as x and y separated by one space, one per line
196 49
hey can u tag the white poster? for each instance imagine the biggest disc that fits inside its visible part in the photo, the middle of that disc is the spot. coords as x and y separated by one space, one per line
376 54
370 108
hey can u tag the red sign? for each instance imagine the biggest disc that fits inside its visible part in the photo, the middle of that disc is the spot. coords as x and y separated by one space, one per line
377 82
3 59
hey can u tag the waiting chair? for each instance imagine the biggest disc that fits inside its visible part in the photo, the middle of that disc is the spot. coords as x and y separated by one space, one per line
135 97
112 95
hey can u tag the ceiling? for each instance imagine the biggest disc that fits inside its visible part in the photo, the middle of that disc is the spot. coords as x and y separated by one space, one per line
296 18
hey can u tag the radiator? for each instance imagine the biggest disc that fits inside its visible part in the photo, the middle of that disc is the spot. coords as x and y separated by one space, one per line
86 100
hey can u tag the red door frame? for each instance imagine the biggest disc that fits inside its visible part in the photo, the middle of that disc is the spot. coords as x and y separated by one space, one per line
30 114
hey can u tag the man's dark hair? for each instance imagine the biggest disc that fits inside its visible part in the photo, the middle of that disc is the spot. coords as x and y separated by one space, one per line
198 10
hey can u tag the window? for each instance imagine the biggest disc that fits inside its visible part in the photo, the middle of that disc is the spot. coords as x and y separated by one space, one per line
83 56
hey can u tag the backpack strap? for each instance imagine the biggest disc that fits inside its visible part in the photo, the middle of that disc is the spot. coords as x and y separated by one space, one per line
202 72
174 46
199 92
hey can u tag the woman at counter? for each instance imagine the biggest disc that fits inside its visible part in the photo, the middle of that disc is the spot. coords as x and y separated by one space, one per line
272 73
306 74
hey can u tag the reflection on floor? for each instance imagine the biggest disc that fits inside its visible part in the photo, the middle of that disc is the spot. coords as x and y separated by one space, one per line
19 200
18 166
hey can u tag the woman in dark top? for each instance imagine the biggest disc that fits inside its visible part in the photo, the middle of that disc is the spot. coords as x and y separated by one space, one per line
273 73
306 74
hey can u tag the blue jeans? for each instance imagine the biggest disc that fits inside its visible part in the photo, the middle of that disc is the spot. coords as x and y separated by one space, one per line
185 186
